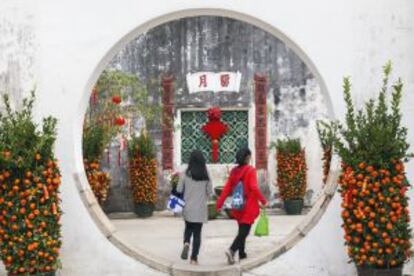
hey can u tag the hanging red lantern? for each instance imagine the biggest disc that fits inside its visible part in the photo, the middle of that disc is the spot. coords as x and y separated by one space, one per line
120 121
116 99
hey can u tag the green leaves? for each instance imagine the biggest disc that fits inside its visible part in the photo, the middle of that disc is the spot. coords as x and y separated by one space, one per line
99 126
143 146
20 136
94 142
374 133
288 146
326 134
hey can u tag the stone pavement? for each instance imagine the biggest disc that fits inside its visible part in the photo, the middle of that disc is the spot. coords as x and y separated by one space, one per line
161 235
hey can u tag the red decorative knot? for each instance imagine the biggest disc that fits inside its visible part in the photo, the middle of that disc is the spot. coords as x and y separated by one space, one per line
120 121
116 99
215 129
214 114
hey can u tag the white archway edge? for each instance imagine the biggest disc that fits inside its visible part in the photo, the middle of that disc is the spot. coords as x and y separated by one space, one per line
156 262
340 37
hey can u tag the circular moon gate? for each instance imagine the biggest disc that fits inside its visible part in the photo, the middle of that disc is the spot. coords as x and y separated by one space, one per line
100 217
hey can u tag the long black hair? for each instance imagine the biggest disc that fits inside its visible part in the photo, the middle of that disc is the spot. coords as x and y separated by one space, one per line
197 168
241 156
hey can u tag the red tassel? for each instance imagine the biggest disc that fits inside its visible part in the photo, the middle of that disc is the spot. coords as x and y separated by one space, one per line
215 149
108 157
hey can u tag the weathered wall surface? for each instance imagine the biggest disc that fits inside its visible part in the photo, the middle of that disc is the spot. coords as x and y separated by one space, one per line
218 44
339 37
17 51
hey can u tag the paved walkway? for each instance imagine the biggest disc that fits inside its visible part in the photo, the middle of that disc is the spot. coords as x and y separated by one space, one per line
162 234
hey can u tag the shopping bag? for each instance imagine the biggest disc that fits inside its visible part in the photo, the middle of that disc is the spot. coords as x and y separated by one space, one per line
175 204
262 227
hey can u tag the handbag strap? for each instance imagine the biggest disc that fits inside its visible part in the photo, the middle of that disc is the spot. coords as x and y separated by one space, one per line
241 178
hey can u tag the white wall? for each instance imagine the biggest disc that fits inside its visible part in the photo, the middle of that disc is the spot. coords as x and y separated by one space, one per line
340 38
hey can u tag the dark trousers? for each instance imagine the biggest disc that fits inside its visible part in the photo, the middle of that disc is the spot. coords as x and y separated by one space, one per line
193 229
239 242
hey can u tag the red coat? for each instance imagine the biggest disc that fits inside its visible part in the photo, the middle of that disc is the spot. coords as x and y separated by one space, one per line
252 194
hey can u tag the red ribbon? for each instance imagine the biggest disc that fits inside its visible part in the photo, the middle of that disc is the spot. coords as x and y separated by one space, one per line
119 157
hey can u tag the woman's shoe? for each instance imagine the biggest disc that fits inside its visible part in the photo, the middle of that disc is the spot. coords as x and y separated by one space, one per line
194 262
230 257
242 256
184 253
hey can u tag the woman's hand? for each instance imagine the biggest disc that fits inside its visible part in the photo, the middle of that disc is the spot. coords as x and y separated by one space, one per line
265 205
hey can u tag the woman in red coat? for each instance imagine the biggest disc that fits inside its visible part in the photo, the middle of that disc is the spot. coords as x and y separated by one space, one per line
245 217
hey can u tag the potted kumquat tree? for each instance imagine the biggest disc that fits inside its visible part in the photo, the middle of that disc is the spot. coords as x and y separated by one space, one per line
30 230
291 174
143 174
373 147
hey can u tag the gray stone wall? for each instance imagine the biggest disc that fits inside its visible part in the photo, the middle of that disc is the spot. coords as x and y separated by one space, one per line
215 44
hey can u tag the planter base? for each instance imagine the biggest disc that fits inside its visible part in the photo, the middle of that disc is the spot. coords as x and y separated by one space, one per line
293 206
366 271
144 210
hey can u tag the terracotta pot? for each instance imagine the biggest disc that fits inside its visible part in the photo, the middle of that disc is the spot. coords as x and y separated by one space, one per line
368 271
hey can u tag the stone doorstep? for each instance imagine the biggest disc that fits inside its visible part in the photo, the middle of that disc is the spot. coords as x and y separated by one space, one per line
313 216
263 257
101 220
280 247
122 215
191 270
154 262
161 214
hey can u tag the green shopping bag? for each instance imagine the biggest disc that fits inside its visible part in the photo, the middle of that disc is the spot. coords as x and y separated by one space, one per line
262 227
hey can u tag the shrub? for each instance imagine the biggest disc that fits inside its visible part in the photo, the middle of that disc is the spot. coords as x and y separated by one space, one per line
373 147
326 136
30 237
143 169
291 169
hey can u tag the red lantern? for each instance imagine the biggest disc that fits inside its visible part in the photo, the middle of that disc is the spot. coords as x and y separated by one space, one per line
116 99
119 121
